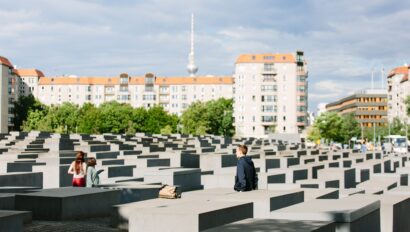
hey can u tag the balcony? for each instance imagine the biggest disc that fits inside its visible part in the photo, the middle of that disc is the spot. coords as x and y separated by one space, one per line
269 71
301 73
300 124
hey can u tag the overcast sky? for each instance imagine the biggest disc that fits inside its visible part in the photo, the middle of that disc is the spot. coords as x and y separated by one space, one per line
343 40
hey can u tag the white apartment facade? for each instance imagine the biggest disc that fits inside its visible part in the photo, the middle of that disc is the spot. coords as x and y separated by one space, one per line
175 94
398 89
270 90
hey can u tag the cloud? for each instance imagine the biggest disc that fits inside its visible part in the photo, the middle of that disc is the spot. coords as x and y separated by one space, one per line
343 40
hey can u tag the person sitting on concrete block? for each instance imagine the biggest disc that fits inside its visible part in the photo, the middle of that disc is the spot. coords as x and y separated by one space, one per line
246 178
78 170
93 178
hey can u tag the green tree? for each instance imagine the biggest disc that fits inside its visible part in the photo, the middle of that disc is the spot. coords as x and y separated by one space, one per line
88 119
157 118
272 128
313 133
212 117
167 130
138 117
114 117
67 117
397 127
330 125
194 117
381 131
219 117
22 107
350 127
407 101
33 120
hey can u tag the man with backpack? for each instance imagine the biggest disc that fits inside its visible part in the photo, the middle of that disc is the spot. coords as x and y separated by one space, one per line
246 178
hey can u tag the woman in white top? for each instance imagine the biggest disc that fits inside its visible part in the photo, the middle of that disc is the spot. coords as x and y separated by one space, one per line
78 170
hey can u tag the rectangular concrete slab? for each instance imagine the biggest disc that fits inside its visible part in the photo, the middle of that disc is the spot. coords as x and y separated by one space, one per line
68 203
189 216
265 225
350 214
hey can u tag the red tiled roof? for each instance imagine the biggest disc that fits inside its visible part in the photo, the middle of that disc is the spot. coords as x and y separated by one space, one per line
5 61
266 58
29 72
403 70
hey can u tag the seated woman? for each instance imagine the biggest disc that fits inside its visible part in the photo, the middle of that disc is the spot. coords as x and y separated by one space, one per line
78 170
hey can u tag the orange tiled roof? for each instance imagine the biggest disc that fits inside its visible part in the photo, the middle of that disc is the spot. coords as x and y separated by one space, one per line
404 70
79 80
5 61
28 72
194 80
133 80
266 58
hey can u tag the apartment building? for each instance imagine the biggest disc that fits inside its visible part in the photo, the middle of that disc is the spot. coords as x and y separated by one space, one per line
6 94
369 106
270 91
175 94
398 89
27 80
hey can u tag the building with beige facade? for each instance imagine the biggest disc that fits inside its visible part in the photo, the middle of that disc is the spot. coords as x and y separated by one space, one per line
270 91
369 107
398 89
175 94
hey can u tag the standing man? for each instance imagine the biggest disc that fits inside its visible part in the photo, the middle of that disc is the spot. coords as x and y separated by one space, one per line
246 178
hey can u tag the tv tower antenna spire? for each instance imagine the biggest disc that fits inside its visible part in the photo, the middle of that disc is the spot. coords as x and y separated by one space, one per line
191 67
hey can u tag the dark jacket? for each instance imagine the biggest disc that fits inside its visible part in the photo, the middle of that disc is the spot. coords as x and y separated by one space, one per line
246 178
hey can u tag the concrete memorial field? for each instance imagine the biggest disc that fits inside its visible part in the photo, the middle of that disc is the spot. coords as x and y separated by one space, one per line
299 189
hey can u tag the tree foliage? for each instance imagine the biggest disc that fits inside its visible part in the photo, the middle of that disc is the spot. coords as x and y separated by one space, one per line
333 127
110 117
22 107
212 117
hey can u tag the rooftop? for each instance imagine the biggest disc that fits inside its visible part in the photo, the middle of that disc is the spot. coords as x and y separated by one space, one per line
5 61
266 58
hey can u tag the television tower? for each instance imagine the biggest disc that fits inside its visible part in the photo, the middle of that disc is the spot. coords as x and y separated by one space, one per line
191 67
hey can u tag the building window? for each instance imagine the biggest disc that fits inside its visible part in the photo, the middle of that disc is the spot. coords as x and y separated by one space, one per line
267 88
124 89
184 97
148 97
267 119
267 108
163 89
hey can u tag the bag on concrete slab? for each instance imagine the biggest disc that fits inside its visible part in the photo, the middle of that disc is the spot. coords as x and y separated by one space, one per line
169 192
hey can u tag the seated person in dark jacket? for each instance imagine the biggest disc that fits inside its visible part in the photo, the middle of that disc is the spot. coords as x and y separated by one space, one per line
246 178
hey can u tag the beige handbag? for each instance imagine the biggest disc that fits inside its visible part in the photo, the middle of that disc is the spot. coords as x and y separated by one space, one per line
169 192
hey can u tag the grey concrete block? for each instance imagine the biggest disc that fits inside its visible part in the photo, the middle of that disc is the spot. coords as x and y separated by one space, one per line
186 178
350 214
265 225
189 217
34 179
68 203
13 220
